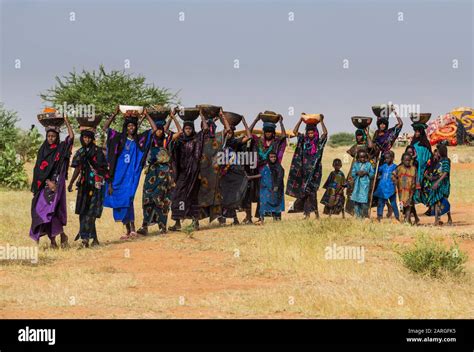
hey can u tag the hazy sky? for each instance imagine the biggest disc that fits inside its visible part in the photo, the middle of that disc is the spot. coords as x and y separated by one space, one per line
283 63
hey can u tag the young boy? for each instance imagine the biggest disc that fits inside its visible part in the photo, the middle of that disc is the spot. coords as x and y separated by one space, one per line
362 173
333 199
272 201
404 178
386 187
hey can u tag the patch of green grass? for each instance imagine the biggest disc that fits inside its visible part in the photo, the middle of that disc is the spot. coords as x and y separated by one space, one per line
429 257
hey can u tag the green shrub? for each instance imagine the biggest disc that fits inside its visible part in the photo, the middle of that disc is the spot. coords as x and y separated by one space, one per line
341 139
429 257
12 172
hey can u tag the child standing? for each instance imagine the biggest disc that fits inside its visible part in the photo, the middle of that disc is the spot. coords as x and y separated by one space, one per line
404 178
272 201
333 199
386 187
362 173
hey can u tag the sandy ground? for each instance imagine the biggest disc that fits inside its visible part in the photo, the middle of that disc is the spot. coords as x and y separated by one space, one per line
189 275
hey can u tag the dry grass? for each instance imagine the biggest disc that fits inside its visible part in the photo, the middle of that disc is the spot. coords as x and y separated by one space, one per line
275 270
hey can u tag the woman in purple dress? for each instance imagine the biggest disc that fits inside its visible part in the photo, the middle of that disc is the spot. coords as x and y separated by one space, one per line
48 208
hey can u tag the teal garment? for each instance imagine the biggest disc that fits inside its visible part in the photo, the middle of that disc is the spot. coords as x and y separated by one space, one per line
361 190
423 155
430 196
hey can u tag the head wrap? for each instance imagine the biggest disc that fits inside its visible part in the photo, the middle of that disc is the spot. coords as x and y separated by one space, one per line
382 120
269 127
86 133
56 129
311 127
423 138
117 140
189 124
49 160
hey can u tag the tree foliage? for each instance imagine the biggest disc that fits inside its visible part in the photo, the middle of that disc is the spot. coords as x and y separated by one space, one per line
105 90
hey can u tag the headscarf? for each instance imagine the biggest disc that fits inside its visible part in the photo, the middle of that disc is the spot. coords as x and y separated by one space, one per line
277 174
311 144
423 138
48 161
361 132
183 136
86 133
269 127
117 140
383 120
158 141
212 127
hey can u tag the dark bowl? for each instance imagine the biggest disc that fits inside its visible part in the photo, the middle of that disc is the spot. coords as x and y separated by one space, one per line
86 121
209 111
160 113
50 119
379 109
269 116
361 122
420 118
233 118
188 114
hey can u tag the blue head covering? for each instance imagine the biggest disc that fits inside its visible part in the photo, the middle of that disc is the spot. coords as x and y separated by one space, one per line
269 127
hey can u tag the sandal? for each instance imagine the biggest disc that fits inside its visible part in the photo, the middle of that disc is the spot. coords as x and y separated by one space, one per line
125 237
133 234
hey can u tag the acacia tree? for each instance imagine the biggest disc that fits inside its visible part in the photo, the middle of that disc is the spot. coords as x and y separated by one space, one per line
105 91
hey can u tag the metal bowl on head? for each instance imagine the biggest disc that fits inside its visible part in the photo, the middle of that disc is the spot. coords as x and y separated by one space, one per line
382 110
188 114
423 117
50 118
89 121
269 116
361 122
312 119
158 113
209 111
233 118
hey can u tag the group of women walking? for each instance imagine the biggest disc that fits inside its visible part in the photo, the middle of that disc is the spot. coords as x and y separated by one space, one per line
185 175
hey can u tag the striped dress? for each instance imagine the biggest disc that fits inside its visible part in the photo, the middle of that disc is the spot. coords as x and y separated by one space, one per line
430 196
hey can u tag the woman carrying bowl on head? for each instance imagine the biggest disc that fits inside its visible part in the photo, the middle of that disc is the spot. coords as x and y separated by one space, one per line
264 144
126 153
305 173
48 208
422 147
158 180
186 150
210 192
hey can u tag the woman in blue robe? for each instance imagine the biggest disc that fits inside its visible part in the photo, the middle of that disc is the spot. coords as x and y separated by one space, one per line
422 147
126 153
